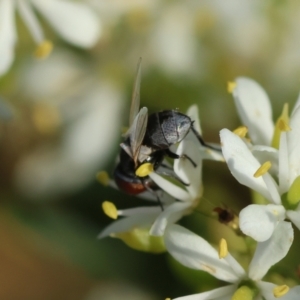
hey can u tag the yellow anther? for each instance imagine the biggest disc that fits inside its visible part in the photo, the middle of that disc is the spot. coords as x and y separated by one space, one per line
283 125
168 299
103 178
231 86
280 290
223 249
263 169
110 209
144 170
43 49
241 131
243 293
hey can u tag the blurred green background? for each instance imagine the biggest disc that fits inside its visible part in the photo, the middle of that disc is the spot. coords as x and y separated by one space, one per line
67 114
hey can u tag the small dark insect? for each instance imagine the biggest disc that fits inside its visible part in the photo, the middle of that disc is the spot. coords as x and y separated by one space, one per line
229 218
147 142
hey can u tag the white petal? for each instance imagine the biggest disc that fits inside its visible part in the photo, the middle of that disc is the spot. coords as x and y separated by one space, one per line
235 266
266 153
210 154
294 216
186 171
163 197
75 22
8 34
170 188
171 214
266 290
293 294
31 21
271 251
139 210
206 153
242 163
126 224
194 252
255 110
222 293
272 187
297 104
193 113
259 221
294 146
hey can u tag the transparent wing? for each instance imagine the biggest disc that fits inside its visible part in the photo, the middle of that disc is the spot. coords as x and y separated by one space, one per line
137 132
135 100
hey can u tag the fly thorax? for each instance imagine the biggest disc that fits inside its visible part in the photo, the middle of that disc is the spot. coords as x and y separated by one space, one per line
183 125
168 126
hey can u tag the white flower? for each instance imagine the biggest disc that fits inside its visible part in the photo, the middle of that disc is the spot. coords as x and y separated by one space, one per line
75 22
254 109
187 198
260 221
194 252
67 99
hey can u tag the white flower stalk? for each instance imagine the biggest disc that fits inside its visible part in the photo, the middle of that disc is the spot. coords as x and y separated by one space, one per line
184 199
75 22
194 252
260 221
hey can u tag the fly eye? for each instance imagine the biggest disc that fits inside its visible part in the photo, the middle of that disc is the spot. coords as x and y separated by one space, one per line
144 170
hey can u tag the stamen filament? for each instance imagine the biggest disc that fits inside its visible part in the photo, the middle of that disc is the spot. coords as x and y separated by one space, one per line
293 195
241 131
283 125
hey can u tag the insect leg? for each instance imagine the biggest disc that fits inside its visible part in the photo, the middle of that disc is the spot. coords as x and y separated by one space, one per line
167 171
176 156
149 189
200 139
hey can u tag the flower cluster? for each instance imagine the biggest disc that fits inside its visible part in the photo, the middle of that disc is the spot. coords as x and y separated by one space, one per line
267 162
261 154
75 22
153 218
